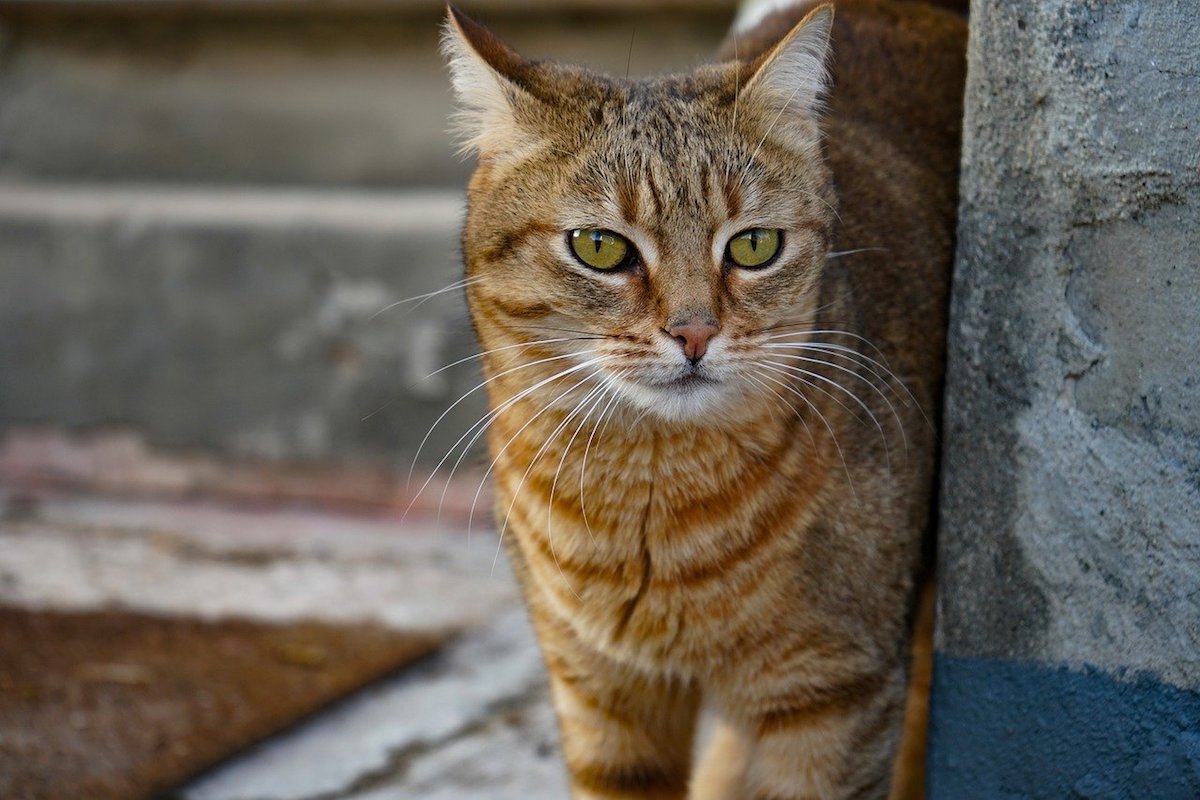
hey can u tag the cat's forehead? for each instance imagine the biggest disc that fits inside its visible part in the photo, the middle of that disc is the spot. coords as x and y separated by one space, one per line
672 123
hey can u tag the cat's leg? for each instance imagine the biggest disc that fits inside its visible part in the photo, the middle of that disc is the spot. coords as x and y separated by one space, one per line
832 740
722 768
625 734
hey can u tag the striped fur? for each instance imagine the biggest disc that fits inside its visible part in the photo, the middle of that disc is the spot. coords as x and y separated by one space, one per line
751 540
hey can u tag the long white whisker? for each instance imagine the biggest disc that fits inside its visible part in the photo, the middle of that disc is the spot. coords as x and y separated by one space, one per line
601 425
499 350
840 253
596 391
524 392
879 372
833 437
881 363
412 467
480 427
770 128
513 438
421 298
800 371
833 332
759 381
858 376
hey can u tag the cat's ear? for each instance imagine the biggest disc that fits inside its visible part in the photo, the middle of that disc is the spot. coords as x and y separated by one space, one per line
788 81
487 75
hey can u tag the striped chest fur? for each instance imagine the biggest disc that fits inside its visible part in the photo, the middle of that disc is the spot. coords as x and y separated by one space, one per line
661 547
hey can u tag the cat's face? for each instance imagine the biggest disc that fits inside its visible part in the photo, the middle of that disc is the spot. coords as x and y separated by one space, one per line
663 232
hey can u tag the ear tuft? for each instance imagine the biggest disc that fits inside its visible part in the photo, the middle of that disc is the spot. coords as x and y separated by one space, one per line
790 79
481 70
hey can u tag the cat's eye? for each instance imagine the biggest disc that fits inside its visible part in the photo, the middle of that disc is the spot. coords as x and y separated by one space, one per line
600 249
754 248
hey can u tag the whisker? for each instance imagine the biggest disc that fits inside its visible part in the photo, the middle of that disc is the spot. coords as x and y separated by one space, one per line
858 359
799 371
595 334
601 425
521 484
759 381
422 298
598 392
523 393
833 437
470 392
880 364
770 128
480 427
501 349
841 253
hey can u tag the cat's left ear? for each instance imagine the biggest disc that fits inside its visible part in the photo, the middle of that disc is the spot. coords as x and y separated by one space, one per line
787 82
487 75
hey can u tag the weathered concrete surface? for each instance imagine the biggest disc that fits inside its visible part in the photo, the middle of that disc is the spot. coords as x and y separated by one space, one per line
472 721
277 92
1070 527
256 323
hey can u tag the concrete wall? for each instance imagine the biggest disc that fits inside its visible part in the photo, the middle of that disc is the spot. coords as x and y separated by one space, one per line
1069 631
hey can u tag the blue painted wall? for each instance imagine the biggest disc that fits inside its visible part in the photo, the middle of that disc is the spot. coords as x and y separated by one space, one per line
1012 731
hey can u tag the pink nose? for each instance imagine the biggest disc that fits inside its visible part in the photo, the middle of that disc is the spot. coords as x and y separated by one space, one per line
693 337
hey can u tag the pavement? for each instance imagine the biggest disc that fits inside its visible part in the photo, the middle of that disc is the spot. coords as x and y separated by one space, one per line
473 720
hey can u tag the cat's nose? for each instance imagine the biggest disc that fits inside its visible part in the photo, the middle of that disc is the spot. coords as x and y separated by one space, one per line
693 337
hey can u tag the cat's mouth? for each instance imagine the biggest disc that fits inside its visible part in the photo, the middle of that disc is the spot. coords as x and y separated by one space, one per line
693 379
687 379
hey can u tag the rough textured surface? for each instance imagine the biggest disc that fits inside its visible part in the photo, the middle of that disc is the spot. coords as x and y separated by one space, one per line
1017 731
307 94
473 721
1070 529
253 323
119 706
1072 442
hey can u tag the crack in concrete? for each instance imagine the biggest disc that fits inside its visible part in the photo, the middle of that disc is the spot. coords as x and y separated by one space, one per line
400 759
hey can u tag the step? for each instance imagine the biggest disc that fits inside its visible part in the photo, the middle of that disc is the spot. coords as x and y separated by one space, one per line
259 323
284 93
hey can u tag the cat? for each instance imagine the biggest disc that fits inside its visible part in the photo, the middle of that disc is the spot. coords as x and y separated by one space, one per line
712 312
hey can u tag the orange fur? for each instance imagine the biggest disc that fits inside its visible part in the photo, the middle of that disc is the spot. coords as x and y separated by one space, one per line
746 531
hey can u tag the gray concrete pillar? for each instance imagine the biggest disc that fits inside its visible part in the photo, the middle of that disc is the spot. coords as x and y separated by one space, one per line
1069 632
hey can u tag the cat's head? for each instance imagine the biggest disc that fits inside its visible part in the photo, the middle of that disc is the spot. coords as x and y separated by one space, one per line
660 231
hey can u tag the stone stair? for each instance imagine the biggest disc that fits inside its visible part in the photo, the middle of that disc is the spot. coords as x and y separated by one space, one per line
208 209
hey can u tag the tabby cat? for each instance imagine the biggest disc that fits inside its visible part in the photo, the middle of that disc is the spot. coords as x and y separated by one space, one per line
712 307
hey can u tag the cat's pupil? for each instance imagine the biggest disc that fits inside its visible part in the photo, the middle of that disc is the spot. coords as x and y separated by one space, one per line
754 241
597 239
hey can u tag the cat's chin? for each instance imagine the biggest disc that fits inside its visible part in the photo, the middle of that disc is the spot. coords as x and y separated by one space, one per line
690 399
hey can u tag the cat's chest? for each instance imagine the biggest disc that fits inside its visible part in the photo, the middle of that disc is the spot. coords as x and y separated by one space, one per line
652 565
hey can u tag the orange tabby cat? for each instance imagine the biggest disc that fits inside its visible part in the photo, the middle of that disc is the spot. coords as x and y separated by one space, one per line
712 309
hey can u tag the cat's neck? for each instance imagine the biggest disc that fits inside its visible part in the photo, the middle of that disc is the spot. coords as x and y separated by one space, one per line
562 444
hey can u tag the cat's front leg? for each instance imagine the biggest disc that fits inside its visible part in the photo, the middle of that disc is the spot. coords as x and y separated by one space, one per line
625 733
834 739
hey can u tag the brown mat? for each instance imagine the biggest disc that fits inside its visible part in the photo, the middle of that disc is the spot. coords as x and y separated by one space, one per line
124 706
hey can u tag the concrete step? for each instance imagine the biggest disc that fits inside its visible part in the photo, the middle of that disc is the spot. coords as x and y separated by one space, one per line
471 721
227 91
259 323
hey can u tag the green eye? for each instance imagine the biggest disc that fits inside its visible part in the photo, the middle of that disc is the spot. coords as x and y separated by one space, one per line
754 248
600 249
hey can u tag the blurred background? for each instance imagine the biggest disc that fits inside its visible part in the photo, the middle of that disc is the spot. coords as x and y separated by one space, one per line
219 221
210 208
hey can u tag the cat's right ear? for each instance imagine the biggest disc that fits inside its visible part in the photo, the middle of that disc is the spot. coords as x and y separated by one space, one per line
487 75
